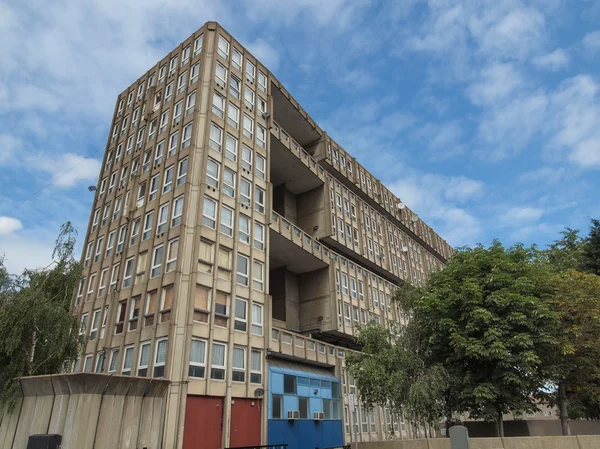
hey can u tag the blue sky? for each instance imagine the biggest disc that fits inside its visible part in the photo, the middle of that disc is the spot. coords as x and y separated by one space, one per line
483 116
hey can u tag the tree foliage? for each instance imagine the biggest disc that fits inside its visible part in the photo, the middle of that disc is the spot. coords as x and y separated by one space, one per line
591 254
38 335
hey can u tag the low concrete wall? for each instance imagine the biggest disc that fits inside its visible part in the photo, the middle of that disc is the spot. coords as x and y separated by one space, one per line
573 442
73 406
531 428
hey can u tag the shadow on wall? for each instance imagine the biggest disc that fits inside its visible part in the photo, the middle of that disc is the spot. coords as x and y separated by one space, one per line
526 428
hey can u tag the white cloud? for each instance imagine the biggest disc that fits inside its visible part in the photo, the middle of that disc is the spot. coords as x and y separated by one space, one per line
10 146
558 59
591 41
496 82
544 175
516 216
265 53
9 225
21 252
69 169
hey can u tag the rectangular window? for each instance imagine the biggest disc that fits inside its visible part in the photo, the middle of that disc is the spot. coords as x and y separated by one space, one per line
236 59
244 229
114 275
248 126
289 384
168 180
259 236
242 270
177 211
218 105
127 360
245 195
212 173
157 255
233 115
238 365
168 93
223 47
160 357
249 98
163 217
231 145
186 138
195 73
128 272
259 200
221 75
154 182
246 158
182 168
229 182
260 167
216 137
98 249
198 45
241 315
250 71
144 359
209 213
181 82
114 359
186 55
172 249
217 371
95 323
173 142
258 276
87 365
257 319
226 221
235 86
261 136
164 121
147 226
262 81
173 65
151 306
277 409
197 367
255 367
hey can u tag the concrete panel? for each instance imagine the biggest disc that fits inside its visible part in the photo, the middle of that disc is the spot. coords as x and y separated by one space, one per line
26 421
485 443
540 443
396 444
588 441
8 427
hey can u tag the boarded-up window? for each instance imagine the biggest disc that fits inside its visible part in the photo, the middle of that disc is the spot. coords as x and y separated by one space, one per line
224 263
151 303
166 302
221 308
202 303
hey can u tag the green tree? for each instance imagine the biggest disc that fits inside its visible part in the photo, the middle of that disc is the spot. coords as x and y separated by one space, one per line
591 254
389 372
38 335
483 319
567 252
575 368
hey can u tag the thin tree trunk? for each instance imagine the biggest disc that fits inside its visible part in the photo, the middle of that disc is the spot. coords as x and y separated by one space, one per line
32 355
500 424
562 409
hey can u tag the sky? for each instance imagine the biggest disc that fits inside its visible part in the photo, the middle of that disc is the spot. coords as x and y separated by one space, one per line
482 116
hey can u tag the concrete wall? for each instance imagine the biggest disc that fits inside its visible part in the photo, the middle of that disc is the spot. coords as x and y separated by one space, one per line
573 442
531 428
72 405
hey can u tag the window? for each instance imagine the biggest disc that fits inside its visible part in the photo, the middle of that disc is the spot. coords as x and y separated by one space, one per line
88 254
84 322
236 59
241 315
102 282
168 92
261 136
216 137
231 144
217 371
238 365
95 323
242 270
352 287
257 319
229 182
226 221
259 236
114 358
173 65
114 275
98 249
260 167
151 303
164 120
258 276
223 47
262 81
347 314
177 211
361 294
198 45
197 366
250 71
277 409
245 189
209 213
168 181
181 82
127 360
87 365
255 367
235 86
249 98
163 216
289 384
173 142
259 200
212 173
91 283
246 158
186 139
182 168
303 407
221 303
248 126
96 219
147 226
218 105
233 115
144 359
262 107
344 283
221 75
194 74
224 263
154 181
128 272
157 255
186 55
172 248
244 229
160 357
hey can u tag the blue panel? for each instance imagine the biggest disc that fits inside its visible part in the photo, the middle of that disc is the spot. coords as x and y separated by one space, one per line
305 434
303 391
276 385
316 405
289 403
326 393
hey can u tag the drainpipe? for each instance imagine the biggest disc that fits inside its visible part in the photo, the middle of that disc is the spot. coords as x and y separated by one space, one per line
137 441
100 411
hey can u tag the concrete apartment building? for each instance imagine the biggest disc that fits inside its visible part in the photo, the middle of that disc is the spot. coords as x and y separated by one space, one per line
233 249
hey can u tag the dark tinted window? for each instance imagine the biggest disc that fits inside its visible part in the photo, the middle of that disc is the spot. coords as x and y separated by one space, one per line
289 384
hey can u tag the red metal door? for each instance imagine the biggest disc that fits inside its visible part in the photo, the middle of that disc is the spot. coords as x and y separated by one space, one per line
245 422
203 426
